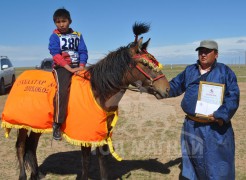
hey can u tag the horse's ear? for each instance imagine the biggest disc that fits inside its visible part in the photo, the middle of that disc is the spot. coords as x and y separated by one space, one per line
140 44
137 46
145 45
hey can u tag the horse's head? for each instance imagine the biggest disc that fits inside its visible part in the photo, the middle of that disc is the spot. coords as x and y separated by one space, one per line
130 64
147 73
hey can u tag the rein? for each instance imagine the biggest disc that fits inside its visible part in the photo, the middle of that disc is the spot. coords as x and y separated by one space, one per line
138 88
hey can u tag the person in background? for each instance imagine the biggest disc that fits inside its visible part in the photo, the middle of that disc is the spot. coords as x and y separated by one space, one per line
208 145
70 55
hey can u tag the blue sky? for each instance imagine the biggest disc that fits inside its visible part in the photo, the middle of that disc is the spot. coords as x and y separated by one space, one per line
177 26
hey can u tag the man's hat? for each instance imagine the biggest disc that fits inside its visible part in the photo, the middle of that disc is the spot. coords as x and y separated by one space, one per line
209 44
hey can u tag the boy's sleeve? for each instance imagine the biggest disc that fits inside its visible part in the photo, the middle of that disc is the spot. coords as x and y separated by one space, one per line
55 50
83 53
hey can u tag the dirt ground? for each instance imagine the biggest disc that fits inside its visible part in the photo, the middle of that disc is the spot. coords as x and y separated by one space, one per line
147 137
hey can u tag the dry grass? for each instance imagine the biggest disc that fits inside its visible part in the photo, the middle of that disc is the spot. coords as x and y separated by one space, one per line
146 136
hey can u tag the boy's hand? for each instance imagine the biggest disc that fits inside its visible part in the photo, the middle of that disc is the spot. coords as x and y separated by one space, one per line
74 70
81 68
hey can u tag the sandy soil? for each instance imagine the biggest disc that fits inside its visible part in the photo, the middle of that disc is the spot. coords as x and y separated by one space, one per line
146 136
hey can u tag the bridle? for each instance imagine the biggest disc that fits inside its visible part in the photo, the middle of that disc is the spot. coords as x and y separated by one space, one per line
148 76
151 62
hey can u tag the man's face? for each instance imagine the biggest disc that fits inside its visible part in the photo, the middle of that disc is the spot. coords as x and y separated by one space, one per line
207 57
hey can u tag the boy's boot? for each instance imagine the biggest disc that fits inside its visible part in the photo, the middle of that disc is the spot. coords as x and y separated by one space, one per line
57 131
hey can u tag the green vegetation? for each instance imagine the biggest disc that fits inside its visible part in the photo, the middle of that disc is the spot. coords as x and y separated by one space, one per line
172 71
20 70
240 72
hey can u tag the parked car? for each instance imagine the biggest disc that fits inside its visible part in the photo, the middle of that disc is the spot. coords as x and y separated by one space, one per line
46 64
7 74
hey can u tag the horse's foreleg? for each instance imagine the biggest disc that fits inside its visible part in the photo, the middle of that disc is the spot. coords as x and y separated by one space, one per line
102 154
20 152
86 157
31 156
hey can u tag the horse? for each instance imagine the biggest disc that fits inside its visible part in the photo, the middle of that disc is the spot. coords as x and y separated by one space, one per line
128 67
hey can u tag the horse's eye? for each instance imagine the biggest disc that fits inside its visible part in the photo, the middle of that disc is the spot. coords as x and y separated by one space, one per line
145 64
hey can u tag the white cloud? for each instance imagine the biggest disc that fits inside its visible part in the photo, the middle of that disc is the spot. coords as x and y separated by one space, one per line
24 55
231 50
27 56
94 56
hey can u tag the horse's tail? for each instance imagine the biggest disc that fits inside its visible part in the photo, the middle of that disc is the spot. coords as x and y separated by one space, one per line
30 161
140 28
26 153
30 157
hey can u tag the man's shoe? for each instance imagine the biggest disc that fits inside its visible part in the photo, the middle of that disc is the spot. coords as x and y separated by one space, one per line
56 132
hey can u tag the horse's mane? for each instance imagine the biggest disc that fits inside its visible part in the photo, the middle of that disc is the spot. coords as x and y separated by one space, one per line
106 76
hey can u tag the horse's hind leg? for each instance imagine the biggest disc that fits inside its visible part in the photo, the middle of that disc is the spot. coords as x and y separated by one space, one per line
20 152
102 154
31 156
86 157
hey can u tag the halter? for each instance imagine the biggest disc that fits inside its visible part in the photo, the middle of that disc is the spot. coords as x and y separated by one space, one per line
151 62
148 76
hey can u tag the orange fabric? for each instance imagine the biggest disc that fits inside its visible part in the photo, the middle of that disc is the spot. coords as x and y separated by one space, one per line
30 101
86 120
30 104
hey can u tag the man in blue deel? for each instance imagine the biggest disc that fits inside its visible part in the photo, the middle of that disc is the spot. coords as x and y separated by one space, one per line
208 145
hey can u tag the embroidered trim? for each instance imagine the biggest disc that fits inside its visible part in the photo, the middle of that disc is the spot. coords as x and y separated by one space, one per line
9 126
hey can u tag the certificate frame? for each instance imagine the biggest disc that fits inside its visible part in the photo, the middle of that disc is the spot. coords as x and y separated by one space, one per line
210 93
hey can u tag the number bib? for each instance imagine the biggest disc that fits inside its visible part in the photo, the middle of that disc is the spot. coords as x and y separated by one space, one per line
69 43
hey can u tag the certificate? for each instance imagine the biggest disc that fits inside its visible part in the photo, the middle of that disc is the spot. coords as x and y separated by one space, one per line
210 97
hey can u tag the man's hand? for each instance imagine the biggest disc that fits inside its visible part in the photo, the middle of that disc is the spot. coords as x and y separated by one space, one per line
212 119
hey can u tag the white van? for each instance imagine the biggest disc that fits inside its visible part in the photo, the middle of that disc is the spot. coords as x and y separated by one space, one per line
7 74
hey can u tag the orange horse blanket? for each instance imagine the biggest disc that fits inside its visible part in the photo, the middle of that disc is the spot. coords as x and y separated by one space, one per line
30 106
